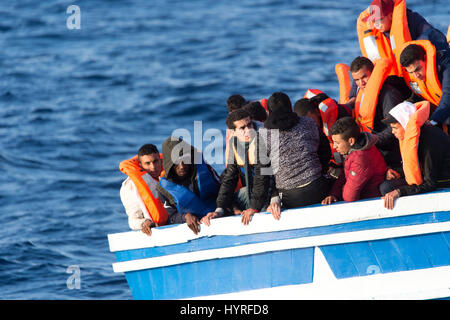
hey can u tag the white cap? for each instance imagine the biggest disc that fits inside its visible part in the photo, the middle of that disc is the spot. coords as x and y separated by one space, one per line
402 112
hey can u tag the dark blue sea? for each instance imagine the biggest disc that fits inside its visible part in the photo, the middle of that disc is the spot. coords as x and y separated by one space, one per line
75 102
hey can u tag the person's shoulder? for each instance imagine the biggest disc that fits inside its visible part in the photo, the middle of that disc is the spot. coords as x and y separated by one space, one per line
414 17
306 121
126 183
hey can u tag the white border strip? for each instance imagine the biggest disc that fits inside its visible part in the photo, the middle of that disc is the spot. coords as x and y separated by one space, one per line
290 219
278 245
432 283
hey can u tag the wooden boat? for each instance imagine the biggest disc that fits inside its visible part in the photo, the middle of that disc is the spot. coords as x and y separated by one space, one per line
356 250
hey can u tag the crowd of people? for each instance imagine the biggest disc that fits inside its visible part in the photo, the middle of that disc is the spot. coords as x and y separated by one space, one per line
385 137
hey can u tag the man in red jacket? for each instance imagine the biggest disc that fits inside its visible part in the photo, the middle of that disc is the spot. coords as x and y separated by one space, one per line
364 166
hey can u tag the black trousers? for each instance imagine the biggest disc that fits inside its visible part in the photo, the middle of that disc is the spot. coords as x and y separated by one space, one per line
312 193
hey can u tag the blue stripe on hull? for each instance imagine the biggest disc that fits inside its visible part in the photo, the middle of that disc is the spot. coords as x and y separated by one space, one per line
388 255
227 275
230 241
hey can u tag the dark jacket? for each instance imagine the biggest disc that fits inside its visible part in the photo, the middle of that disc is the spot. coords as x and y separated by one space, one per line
260 186
420 29
190 181
434 160
364 171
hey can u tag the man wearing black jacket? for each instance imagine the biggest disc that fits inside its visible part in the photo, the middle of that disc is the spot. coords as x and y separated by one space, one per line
433 156
245 155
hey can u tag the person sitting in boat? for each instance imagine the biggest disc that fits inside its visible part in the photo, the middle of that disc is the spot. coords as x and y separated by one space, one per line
425 151
385 26
364 166
257 112
245 156
234 102
190 185
292 145
324 111
138 192
376 97
427 70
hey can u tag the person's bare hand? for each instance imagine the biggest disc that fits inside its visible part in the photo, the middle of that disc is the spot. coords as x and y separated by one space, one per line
392 174
329 200
389 198
237 211
247 216
192 222
275 209
207 219
147 227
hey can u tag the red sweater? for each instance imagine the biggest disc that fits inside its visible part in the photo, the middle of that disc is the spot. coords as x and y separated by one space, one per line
364 171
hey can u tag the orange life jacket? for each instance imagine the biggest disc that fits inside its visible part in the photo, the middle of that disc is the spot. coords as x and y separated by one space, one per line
345 85
410 143
263 102
329 113
375 45
154 205
367 99
431 88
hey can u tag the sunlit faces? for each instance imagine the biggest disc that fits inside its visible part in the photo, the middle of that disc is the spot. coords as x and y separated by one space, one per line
151 163
244 130
397 130
418 69
361 77
342 145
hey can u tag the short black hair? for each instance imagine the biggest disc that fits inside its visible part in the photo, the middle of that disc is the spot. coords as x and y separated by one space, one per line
147 149
279 100
412 53
359 62
256 111
303 106
346 127
236 115
235 101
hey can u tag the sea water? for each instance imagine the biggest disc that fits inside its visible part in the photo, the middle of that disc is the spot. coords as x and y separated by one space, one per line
83 87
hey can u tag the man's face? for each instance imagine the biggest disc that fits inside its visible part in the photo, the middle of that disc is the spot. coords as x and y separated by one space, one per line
243 129
341 145
361 77
398 131
151 163
182 169
417 69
